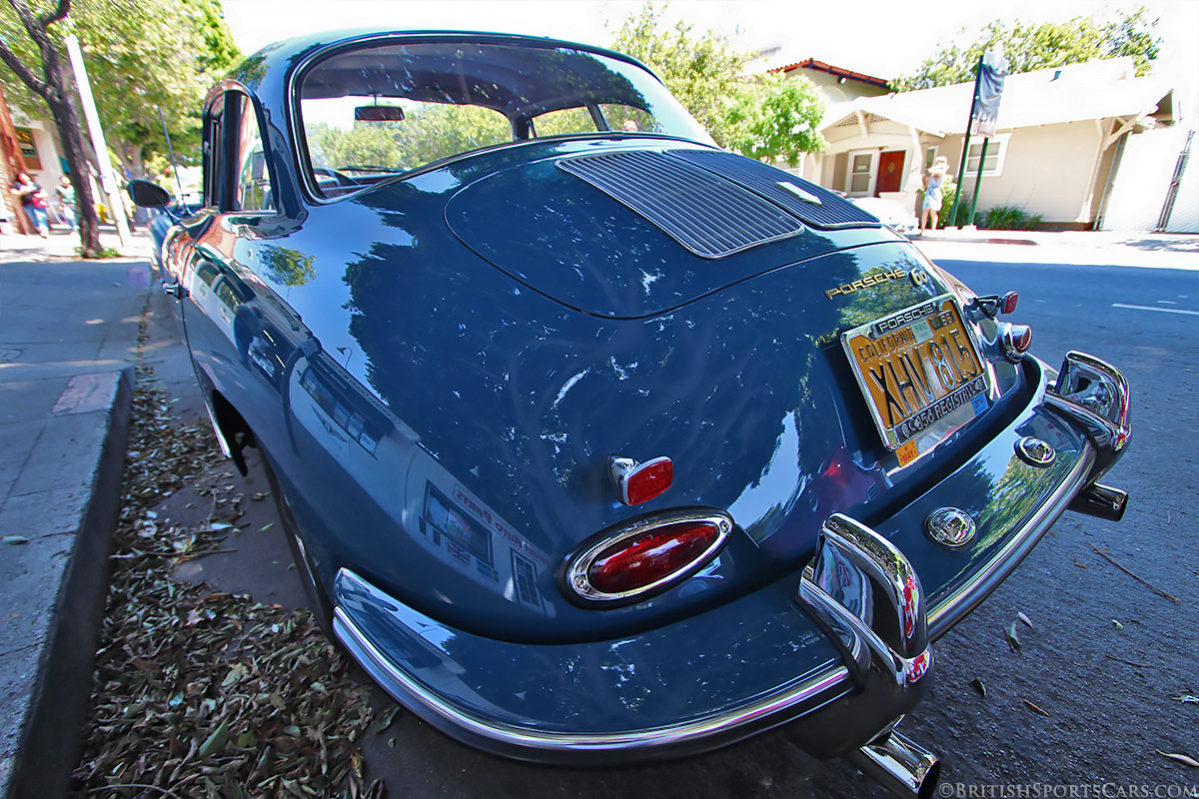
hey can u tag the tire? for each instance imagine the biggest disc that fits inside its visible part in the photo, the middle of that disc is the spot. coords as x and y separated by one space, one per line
318 600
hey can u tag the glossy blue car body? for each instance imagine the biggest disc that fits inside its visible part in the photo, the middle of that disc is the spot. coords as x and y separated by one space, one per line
439 363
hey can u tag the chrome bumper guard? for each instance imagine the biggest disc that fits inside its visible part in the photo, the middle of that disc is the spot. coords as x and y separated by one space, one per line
865 596
1095 396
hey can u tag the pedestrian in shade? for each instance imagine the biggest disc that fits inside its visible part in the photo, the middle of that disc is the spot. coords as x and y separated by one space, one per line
66 200
33 200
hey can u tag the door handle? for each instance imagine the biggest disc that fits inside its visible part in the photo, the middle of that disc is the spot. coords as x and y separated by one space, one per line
175 290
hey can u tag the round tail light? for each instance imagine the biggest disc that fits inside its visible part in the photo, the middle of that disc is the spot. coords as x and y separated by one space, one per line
1016 340
646 557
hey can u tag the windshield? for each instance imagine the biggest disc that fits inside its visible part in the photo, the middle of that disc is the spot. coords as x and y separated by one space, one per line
376 111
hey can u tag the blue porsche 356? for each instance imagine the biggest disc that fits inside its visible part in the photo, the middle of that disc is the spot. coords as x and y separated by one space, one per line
597 443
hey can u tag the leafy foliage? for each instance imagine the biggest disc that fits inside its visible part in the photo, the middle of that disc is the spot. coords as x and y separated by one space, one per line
430 131
1040 46
141 57
777 118
199 693
701 71
1009 217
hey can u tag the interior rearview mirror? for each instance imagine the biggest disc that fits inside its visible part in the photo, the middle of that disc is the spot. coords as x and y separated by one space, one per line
378 113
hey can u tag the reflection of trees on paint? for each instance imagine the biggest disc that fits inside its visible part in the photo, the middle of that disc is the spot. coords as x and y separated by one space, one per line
874 302
1016 494
286 266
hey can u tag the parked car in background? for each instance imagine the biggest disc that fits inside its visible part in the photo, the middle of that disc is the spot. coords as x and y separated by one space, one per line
892 213
594 442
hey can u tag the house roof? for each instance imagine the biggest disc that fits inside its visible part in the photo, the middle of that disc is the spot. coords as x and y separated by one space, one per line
820 66
1072 93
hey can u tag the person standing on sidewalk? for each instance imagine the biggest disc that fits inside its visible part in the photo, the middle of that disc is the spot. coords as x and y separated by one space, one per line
66 200
33 200
933 181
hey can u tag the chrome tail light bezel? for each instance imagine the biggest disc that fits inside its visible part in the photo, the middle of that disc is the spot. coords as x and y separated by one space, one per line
575 574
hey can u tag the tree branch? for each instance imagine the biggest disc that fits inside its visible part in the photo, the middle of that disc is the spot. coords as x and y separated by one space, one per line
23 72
64 8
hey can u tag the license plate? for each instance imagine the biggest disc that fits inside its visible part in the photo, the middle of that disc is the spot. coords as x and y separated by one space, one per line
920 373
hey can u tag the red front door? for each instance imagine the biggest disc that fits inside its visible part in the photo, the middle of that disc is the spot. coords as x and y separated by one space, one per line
890 171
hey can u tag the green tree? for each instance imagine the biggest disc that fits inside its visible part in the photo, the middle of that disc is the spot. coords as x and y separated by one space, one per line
142 57
1040 46
777 118
38 65
702 71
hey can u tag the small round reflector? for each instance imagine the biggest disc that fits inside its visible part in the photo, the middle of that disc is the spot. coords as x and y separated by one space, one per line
648 556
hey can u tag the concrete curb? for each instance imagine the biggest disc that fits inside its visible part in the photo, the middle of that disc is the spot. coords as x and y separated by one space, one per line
51 742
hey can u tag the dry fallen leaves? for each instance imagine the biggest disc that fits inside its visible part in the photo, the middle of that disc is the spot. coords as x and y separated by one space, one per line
1183 759
203 694
1035 708
1013 639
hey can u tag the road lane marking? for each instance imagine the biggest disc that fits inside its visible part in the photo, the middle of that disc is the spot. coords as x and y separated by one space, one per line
1152 308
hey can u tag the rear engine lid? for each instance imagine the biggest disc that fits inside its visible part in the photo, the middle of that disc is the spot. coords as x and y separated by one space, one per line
626 233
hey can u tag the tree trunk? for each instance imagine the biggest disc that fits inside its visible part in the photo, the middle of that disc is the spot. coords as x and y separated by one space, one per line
53 89
67 123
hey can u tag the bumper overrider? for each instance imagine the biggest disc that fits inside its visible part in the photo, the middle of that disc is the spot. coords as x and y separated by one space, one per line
844 648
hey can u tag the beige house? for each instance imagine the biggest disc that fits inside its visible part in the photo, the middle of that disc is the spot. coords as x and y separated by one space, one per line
1056 154
835 84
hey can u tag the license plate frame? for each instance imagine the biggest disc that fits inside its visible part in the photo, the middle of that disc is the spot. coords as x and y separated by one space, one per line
924 353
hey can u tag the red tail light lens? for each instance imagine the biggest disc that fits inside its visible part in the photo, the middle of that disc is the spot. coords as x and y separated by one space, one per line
641 482
1009 301
647 557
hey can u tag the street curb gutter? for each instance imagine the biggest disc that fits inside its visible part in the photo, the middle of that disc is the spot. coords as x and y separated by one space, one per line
51 740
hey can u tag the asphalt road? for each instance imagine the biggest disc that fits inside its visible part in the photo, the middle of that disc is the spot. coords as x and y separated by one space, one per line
1104 661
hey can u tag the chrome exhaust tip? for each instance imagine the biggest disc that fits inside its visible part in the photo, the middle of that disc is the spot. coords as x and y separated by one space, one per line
1102 501
900 766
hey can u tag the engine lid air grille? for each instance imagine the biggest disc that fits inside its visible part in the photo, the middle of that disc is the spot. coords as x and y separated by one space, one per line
699 209
831 211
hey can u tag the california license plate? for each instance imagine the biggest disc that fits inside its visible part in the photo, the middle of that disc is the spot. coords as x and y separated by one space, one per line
920 373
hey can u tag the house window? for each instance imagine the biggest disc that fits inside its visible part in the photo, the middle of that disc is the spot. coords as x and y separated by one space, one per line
996 150
861 172
930 157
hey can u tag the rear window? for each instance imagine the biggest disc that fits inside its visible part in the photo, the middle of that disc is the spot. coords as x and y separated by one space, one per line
372 112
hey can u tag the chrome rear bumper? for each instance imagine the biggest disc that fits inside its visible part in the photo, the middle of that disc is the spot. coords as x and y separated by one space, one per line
859 590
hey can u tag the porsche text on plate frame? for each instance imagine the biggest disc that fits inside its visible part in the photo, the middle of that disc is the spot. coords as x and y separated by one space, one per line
447 281
917 369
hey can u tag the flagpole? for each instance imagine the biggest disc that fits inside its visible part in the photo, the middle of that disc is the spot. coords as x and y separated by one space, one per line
957 195
978 179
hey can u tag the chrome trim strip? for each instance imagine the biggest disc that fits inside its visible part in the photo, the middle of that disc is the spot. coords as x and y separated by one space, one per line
415 696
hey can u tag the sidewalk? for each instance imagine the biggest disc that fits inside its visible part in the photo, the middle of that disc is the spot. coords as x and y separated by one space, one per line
68 341
1107 248
64 245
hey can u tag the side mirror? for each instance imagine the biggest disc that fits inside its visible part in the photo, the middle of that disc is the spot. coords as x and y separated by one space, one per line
147 194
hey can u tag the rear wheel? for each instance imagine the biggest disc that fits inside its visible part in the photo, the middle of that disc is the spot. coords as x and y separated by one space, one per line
318 600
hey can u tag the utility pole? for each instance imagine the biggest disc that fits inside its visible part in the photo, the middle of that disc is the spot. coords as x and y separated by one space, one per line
108 181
